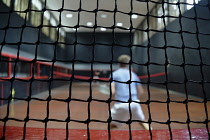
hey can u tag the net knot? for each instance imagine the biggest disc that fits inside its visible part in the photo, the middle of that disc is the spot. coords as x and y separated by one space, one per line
23 26
115 10
109 100
91 79
165 83
148 81
68 119
113 44
49 98
5 119
130 13
168 122
163 16
44 9
147 64
72 78
182 65
26 119
206 121
79 9
3 43
147 102
50 79
165 30
40 26
17 60
12 79
167 63
33 61
37 42
188 120
89 99
205 100
76 26
32 78
129 121
59 25
129 100
60 10
68 100
150 120
75 42
131 27
45 120
95 26
129 82
109 120
55 42
185 101
87 121
110 79
6 28
201 82
28 99
113 27
198 48
197 32
165 46
95 10
147 30
19 43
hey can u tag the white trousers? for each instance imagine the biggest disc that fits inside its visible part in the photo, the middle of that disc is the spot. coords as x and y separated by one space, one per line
120 111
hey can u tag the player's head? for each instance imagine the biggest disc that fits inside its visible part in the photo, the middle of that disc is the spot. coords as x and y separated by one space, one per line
123 60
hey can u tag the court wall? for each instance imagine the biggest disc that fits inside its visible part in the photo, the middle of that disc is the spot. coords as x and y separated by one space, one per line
187 52
18 34
103 46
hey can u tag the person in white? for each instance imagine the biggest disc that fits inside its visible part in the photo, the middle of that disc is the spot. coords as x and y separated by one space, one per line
123 91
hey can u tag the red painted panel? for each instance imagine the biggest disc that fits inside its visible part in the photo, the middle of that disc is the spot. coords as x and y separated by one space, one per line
16 133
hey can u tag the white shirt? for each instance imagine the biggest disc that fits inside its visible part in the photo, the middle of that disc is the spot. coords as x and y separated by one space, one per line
122 89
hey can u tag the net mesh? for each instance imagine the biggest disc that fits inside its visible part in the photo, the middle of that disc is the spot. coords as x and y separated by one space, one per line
170 38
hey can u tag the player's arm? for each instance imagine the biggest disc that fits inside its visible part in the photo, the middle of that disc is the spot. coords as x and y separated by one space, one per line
113 88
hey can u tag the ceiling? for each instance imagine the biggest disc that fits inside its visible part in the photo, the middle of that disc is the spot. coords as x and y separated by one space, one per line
105 17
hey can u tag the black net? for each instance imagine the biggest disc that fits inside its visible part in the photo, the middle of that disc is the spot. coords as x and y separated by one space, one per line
43 44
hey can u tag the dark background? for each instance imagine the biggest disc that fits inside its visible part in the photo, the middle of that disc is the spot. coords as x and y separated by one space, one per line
187 52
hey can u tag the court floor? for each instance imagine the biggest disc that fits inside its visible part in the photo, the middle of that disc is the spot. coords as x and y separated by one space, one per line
99 110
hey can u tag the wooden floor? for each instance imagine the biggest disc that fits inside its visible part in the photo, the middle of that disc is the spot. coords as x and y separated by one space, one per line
99 110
